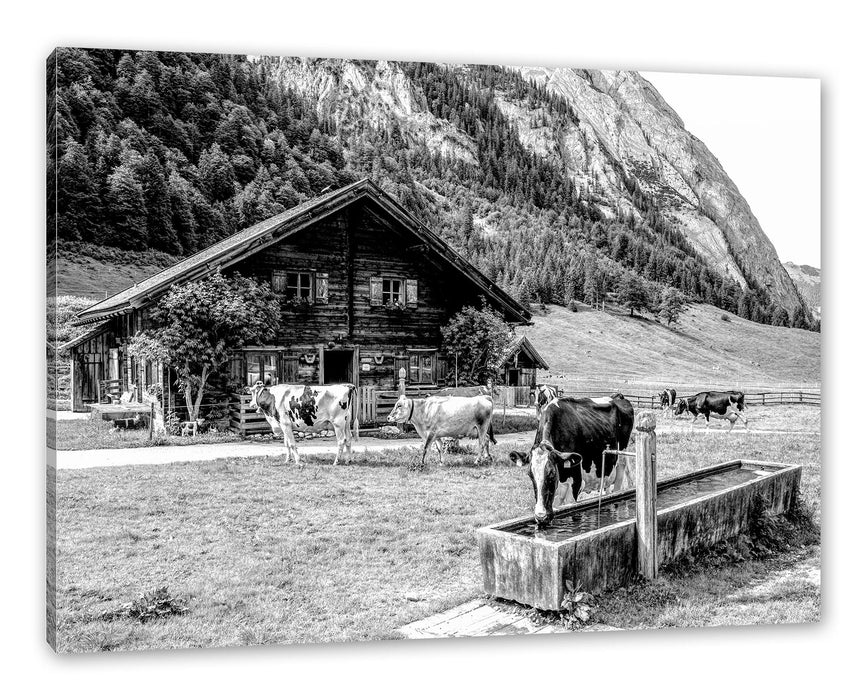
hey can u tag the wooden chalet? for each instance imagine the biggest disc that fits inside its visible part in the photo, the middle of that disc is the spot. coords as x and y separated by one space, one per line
521 364
365 287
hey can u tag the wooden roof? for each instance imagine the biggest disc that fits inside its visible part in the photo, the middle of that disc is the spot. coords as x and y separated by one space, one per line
523 345
244 243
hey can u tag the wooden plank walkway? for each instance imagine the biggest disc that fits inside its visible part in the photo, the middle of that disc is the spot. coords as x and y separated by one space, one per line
479 619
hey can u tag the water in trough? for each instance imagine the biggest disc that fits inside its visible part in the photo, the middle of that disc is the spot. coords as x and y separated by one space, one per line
577 522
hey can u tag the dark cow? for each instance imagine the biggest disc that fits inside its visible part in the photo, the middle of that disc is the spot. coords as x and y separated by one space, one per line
724 405
667 398
571 437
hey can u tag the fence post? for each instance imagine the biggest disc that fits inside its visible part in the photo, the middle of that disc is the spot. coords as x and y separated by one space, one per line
401 374
645 495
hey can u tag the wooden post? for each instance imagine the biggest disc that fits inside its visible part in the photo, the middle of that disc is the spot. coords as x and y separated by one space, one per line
455 370
645 495
401 374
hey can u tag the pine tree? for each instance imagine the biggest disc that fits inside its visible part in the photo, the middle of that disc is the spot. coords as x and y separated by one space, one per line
182 217
672 305
77 196
467 223
160 229
216 173
127 218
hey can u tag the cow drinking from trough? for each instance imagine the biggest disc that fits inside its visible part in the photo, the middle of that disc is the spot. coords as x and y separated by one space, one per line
724 405
302 407
571 438
447 416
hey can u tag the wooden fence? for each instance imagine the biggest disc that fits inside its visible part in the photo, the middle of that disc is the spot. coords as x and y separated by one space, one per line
243 419
375 404
765 398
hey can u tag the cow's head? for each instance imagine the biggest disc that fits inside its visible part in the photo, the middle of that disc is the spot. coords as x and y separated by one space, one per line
263 402
548 467
402 410
682 407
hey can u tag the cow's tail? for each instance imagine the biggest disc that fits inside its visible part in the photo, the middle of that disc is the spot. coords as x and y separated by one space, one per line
490 431
351 402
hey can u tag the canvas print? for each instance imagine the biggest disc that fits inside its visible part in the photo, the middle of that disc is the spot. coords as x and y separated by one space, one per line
345 350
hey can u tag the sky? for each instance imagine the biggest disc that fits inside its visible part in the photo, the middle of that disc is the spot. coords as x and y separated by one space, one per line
766 133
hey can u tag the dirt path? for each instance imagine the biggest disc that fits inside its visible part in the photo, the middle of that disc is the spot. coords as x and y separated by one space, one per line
168 454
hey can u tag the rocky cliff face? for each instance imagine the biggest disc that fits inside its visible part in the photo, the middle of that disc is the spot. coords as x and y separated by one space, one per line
359 95
625 131
807 279
626 127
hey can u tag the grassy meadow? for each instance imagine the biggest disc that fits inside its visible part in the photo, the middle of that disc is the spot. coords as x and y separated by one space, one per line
264 553
705 347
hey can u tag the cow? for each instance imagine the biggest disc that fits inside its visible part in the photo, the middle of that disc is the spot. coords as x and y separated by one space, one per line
571 438
291 407
667 398
447 416
724 405
468 391
545 395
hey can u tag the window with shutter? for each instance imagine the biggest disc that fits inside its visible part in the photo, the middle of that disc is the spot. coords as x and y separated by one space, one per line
322 287
392 291
411 292
375 291
299 285
278 281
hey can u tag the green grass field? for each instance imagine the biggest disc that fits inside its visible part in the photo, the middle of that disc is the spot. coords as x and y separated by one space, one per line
588 346
265 553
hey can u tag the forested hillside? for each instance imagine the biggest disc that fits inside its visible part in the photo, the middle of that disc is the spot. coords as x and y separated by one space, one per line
171 152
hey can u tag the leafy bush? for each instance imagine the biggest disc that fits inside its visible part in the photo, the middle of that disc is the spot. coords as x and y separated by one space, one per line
154 605
575 608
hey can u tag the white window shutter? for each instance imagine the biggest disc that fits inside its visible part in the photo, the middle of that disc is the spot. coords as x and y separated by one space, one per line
411 292
375 291
322 287
278 281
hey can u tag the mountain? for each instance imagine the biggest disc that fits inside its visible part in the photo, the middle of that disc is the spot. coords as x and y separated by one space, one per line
561 185
618 137
808 281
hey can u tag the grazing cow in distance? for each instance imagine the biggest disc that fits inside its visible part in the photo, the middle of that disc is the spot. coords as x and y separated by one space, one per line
571 438
447 416
667 398
724 405
291 407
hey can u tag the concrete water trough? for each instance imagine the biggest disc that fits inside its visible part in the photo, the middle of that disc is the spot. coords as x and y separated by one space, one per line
598 547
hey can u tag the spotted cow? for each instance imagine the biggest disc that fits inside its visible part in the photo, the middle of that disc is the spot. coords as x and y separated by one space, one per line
290 407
